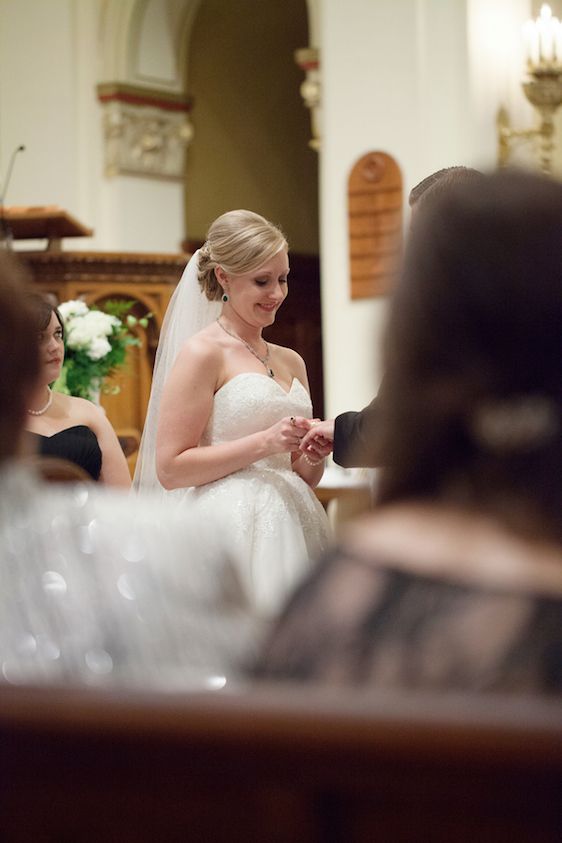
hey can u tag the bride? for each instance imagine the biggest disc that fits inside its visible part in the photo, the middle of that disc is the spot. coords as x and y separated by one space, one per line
228 411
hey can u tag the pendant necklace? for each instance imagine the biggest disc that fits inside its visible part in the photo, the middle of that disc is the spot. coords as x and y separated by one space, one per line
45 408
263 360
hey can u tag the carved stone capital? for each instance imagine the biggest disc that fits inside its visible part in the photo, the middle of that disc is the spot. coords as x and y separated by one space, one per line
308 59
146 132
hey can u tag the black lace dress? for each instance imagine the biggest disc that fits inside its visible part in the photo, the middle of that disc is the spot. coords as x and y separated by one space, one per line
78 444
362 621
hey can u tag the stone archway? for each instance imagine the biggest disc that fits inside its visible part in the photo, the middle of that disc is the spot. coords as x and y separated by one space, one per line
163 67
251 129
151 66
251 148
143 42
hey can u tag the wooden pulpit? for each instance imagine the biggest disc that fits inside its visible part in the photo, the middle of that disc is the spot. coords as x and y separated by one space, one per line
42 222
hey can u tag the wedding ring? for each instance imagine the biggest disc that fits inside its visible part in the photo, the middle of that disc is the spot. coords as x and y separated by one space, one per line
292 420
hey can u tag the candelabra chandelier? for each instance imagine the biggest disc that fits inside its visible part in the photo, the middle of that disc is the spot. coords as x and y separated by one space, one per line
543 89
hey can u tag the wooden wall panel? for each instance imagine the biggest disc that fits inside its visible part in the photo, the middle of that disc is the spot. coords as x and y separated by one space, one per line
375 224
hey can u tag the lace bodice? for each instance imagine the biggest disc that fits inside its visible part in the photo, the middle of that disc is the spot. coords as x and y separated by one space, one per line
269 517
250 402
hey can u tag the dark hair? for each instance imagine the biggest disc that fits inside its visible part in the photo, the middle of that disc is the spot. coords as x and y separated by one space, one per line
474 340
42 309
441 181
19 353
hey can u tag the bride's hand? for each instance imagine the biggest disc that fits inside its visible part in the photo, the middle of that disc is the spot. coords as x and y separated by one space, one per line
286 435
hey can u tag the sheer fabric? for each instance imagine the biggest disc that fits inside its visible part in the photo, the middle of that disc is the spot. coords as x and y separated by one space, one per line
188 312
98 589
362 621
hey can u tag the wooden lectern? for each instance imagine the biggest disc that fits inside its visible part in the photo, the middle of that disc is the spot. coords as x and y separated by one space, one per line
43 222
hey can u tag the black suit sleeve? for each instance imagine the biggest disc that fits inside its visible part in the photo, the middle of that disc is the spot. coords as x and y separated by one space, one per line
354 438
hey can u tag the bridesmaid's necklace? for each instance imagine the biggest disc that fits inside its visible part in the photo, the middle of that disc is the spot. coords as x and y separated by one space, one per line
45 408
263 360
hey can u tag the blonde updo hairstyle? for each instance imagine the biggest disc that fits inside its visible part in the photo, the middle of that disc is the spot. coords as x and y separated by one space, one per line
239 242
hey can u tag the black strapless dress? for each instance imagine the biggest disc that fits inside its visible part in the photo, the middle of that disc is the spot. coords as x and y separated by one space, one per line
77 444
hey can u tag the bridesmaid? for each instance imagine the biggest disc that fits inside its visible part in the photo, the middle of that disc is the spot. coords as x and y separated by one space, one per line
64 426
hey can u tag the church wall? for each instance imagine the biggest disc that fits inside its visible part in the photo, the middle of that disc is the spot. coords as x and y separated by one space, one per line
52 56
141 45
380 96
419 79
405 77
38 86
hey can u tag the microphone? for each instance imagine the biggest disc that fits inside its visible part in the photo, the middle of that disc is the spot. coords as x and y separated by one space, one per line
5 231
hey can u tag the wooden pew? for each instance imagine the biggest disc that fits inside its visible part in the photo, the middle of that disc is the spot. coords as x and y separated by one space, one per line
277 764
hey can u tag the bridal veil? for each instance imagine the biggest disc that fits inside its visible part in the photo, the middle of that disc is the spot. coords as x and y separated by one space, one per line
188 312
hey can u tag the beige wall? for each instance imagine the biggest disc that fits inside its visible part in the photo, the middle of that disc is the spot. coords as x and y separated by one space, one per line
400 88
41 73
250 148
52 55
420 79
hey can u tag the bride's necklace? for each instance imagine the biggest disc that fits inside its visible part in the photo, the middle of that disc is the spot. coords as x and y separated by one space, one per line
263 360
45 408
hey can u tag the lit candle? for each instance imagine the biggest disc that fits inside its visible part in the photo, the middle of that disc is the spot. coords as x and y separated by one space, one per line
546 34
558 43
543 39
531 36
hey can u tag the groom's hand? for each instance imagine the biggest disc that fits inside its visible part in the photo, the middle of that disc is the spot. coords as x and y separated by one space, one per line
318 442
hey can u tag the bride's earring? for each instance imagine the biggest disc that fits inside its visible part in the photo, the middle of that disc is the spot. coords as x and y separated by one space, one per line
225 297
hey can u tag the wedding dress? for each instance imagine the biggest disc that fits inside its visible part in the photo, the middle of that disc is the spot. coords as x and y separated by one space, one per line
268 516
270 519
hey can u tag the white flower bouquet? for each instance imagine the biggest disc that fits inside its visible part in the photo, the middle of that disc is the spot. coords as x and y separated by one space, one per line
96 343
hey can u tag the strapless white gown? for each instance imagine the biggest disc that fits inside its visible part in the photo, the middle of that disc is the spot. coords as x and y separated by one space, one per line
271 520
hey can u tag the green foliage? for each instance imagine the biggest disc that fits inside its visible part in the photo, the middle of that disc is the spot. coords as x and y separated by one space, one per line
83 376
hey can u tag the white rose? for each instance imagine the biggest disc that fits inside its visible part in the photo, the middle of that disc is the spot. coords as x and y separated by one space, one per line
69 309
99 323
83 330
78 334
98 348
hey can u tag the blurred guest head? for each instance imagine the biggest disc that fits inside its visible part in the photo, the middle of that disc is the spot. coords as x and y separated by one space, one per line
444 178
472 412
19 354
